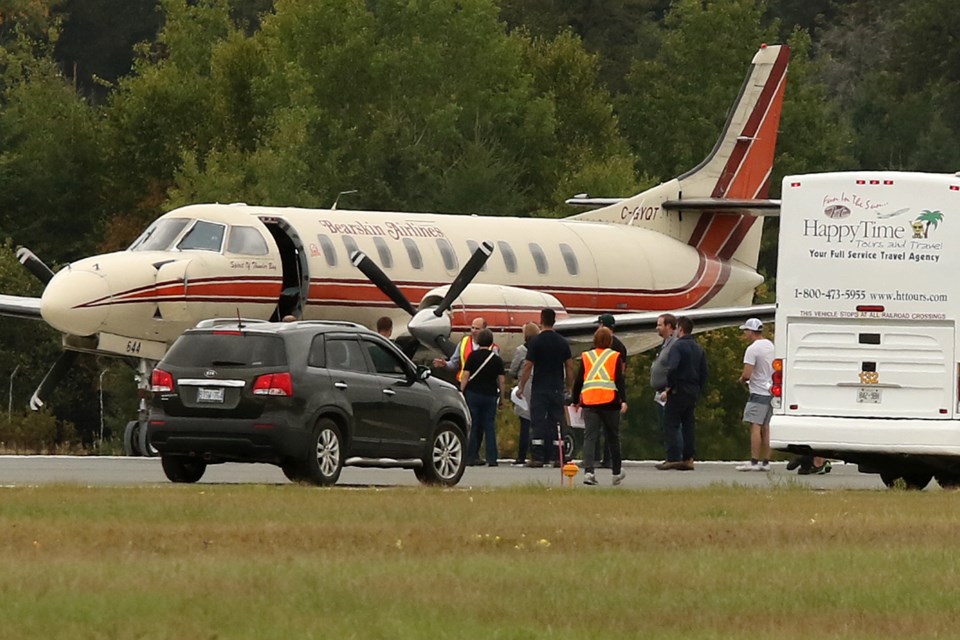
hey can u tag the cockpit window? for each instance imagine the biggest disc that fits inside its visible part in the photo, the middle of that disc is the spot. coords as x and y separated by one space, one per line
160 235
205 236
246 240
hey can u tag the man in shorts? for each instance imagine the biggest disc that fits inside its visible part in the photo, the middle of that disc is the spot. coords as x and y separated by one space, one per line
757 374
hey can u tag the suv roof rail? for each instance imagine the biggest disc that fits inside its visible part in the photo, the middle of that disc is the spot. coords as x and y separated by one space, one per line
216 322
336 323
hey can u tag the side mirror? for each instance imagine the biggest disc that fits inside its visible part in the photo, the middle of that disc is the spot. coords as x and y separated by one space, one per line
422 372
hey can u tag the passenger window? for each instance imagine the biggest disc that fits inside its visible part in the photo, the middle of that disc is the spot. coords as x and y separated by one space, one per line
570 259
246 240
386 258
344 355
539 259
473 246
204 236
449 257
509 258
316 356
384 361
351 246
413 252
329 252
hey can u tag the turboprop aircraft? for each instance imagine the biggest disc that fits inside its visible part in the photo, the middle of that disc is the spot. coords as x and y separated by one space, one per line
690 244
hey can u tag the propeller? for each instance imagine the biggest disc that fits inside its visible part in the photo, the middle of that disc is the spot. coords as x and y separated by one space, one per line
34 265
369 268
54 375
430 326
42 272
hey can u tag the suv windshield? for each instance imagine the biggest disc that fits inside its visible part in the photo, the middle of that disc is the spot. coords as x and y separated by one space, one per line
227 350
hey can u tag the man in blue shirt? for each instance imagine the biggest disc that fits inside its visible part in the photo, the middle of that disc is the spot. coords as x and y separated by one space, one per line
686 380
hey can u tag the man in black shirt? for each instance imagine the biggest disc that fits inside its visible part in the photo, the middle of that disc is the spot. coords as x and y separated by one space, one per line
551 363
686 380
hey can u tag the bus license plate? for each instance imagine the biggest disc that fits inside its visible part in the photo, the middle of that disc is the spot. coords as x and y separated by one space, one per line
210 395
868 395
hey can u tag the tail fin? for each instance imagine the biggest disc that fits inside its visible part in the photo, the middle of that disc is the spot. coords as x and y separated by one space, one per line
709 206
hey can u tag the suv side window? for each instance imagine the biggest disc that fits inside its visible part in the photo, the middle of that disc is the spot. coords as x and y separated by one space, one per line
316 356
344 354
384 361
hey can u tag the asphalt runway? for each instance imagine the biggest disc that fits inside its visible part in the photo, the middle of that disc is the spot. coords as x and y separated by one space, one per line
120 471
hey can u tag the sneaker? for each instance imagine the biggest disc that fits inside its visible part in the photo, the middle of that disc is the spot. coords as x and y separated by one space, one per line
748 466
765 467
824 469
589 478
686 465
618 478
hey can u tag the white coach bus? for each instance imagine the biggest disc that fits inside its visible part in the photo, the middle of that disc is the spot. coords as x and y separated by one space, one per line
868 301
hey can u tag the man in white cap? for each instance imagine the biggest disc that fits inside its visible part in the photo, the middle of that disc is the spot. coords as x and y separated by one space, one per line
757 374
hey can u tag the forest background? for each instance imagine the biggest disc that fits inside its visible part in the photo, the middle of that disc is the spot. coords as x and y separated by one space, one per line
114 111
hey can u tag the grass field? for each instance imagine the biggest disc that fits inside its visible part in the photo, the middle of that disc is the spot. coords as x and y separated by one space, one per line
298 562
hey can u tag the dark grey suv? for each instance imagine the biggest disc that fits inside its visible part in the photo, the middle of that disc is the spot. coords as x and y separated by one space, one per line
309 397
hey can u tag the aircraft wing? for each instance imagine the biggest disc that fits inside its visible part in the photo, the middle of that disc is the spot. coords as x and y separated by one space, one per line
638 330
20 307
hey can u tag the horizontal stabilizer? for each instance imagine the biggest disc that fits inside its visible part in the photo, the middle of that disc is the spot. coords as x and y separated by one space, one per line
742 206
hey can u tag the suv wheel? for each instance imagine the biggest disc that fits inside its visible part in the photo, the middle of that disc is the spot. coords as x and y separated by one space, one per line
182 468
446 459
325 460
293 470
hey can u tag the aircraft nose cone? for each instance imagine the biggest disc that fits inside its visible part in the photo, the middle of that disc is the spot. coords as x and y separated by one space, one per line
74 302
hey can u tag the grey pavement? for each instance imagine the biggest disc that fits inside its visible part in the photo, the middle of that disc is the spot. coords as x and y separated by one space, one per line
120 471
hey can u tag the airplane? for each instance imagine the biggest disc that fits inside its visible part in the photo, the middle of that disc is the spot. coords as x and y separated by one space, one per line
688 245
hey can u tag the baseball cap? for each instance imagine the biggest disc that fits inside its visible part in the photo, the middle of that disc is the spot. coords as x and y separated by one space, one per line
607 320
752 324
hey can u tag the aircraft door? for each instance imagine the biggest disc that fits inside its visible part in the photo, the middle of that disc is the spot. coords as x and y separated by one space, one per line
294 295
172 291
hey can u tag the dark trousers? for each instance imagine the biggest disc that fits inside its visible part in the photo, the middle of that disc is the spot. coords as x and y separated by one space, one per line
483 416
679 426
597 421
546 416
524 445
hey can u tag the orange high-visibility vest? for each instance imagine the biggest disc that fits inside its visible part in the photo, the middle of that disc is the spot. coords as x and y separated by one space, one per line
599 377
466 348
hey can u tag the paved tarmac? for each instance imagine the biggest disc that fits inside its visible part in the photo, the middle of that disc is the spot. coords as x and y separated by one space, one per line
120 471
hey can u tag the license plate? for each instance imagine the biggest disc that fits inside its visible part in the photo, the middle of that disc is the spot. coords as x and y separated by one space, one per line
210 395
868 395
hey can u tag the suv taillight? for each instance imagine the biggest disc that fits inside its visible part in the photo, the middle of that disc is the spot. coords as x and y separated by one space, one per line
161 381
273 384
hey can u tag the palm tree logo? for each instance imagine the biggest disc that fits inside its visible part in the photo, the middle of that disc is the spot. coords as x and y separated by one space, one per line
921 226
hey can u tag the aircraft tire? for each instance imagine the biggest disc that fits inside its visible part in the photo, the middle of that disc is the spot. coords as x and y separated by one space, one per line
131 439
143 442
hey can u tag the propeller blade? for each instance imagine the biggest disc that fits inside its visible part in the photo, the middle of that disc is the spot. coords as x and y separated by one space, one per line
53 377
34 264
465 277
379 278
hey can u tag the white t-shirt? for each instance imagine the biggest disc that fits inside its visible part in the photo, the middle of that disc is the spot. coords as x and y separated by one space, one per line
760 355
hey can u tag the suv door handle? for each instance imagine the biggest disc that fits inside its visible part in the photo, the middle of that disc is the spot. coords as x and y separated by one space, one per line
340 385
389 392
